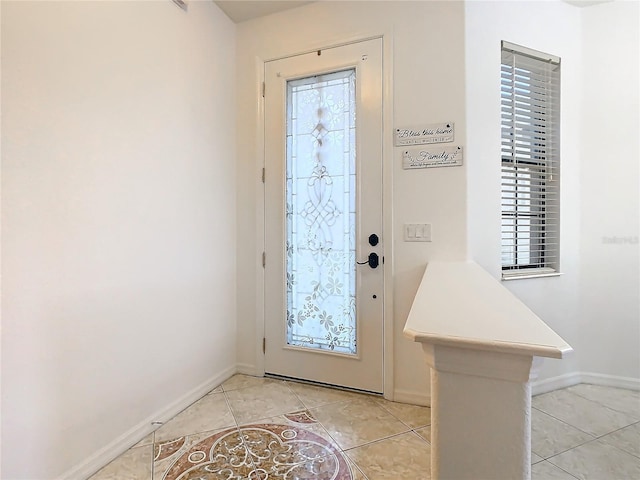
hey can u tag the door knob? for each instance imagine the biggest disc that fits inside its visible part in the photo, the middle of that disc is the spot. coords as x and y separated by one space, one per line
373 260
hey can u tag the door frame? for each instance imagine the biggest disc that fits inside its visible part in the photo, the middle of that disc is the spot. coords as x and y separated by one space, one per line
388 162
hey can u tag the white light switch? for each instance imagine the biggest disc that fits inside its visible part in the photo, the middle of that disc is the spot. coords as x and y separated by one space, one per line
417 232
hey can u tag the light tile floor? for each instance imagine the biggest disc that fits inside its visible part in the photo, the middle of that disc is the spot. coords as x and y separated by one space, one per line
265 429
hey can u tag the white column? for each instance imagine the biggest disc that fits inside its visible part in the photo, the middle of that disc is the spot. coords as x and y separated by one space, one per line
484 347
480 414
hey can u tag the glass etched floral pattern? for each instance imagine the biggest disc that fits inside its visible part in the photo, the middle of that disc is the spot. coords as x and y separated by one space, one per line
321 212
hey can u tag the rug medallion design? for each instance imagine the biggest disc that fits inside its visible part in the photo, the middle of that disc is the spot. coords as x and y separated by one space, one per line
256 452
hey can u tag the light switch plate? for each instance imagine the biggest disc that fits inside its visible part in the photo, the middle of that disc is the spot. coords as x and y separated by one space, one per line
417 232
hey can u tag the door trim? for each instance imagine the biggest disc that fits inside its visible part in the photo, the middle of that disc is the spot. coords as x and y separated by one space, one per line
388 161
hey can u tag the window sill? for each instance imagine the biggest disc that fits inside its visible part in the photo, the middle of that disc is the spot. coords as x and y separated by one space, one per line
529 273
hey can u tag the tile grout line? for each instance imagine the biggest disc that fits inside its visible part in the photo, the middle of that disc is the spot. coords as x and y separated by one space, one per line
356 467
372 442
240 434
305 408
153 454
593 439
560 468
187 435
601 437
377 403
346 452
411 427
565 422
324 428
539 461
153 443
598 403
618 429
567 450
334 439
414 430
297 396
602 403
228 403
271 382
381 405
342 450
581 445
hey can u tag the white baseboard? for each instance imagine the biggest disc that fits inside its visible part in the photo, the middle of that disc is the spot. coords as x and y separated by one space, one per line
555 383
125 441
611 381
571 379
412 398
539 387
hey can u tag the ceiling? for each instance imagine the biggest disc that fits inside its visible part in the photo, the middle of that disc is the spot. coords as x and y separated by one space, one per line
586 3
241 10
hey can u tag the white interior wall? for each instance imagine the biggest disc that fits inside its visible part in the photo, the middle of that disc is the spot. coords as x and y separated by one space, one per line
609 289
428 87
118 220
552 27
594 304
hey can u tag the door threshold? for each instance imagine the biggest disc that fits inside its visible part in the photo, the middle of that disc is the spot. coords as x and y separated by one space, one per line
321 384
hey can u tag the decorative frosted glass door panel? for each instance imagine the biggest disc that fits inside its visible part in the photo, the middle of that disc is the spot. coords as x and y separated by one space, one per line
321 212
323 184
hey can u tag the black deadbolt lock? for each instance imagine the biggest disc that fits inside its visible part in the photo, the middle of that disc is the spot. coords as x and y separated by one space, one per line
373 239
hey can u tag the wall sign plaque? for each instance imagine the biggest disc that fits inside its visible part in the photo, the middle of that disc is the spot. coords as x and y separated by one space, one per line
431 157
434 133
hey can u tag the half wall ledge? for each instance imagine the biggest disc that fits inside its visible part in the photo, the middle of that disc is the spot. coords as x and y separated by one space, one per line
484 347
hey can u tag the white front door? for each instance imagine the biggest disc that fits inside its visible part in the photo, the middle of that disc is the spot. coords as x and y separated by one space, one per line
324 293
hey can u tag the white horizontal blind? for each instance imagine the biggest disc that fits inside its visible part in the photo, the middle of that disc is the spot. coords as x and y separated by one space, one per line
530 120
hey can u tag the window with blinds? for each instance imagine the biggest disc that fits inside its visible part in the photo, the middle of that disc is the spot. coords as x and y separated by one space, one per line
530 120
